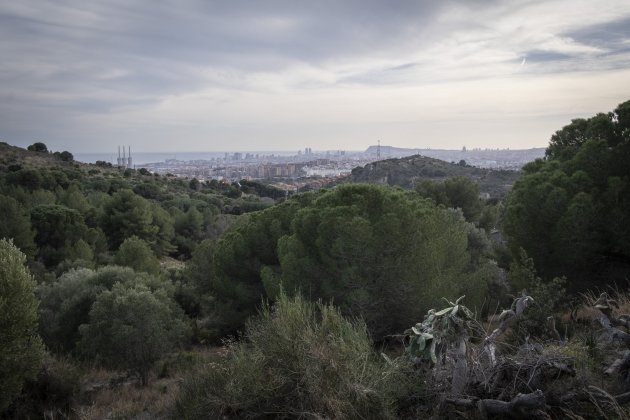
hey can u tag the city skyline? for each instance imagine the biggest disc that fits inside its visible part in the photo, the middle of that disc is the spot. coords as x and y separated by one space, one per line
281 75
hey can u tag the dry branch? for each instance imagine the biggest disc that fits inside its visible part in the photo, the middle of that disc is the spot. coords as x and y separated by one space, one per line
522 406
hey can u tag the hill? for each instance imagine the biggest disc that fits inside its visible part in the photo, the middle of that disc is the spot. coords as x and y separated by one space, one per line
409 171
481 158
13 155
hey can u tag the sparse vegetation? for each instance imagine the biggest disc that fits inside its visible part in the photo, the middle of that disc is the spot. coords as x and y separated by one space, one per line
297 359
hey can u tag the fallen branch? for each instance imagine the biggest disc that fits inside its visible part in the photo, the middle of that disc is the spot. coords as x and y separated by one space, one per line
522 406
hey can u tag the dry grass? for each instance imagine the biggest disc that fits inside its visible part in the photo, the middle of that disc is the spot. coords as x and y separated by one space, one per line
169 262
131 401
114 395
620 303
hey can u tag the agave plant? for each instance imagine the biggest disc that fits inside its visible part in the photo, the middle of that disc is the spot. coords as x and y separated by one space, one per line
437 328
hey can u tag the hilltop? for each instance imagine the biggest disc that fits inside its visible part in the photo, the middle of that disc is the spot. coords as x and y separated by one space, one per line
481 158
13 155
409 171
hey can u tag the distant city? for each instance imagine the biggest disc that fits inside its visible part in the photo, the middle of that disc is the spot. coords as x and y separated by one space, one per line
292 170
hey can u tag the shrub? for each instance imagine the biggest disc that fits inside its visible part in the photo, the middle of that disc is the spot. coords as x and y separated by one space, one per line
66 302
131 327
547 296
296 359
53 390
136 253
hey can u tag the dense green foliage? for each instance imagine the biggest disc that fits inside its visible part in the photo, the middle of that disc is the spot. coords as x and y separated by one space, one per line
21 350
59 229
458 192
378 253
127 214
571 211
296 358
17 225
241 257
136 253
56 209
66 302
132 327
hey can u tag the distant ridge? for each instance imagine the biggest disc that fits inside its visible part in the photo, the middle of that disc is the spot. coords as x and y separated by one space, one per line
410 171
482 158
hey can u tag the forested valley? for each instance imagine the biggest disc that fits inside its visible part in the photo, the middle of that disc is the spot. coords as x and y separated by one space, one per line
126 294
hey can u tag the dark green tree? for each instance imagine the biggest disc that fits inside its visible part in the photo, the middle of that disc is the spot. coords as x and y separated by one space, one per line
38 147
29 179
163 244
379 253
21 349
136 253
16 224
457 192
127 214
241 255
571 211
58 229
66 302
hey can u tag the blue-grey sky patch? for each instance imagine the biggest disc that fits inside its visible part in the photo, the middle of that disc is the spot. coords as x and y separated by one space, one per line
545 56
281 74
604 35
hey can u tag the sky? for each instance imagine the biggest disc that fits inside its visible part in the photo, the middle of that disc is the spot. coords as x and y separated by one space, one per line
87 76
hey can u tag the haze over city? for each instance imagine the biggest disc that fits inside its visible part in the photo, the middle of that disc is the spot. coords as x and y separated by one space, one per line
284 75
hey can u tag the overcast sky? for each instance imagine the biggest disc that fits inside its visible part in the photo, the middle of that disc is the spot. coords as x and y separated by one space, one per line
86 76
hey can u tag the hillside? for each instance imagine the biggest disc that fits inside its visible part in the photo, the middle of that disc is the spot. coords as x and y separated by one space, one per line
13 155
409 171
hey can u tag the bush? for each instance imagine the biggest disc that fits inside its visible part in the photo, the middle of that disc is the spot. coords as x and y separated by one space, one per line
66 302
136 253
547 296
53 390
131 327
296 359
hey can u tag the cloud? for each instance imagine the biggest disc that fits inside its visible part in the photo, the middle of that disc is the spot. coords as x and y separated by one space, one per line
75 71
